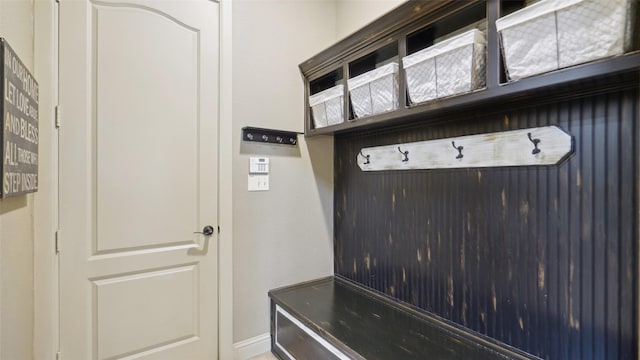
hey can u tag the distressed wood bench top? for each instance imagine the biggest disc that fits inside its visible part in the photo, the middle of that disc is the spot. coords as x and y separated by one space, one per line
358 321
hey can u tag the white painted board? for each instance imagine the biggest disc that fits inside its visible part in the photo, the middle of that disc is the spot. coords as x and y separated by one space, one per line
508 148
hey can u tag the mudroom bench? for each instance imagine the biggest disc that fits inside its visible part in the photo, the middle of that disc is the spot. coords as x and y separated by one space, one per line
333 318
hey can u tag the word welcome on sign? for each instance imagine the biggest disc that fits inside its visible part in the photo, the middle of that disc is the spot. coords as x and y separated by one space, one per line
19 131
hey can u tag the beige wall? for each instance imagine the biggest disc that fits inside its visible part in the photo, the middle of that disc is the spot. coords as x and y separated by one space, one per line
351 15
16 215
280 237
284 235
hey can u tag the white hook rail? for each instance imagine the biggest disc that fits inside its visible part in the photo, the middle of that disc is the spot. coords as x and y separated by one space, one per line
547 145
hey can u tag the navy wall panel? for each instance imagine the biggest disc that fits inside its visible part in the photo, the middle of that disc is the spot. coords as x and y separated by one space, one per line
542 258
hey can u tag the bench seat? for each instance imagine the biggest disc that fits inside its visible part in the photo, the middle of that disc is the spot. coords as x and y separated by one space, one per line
332 318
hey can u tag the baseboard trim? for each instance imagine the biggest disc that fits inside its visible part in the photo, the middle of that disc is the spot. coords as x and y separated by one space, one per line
246 349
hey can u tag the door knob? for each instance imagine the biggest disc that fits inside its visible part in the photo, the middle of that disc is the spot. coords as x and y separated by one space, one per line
206 231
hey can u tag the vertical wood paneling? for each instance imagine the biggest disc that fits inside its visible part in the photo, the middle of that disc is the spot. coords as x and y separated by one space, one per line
542 258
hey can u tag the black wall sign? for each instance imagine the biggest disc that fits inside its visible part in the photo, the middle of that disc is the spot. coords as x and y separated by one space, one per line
19 132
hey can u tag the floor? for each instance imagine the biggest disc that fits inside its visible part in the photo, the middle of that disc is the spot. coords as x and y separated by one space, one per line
265 356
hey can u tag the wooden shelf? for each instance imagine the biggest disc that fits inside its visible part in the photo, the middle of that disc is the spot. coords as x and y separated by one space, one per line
398 26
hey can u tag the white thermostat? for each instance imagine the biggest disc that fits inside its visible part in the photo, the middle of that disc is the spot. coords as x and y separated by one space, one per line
258 165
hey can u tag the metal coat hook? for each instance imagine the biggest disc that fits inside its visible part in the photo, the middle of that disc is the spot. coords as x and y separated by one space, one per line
535 144
459 148
405 154
366 157
269 136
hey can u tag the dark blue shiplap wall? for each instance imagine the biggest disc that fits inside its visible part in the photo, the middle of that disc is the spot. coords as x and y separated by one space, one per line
542 258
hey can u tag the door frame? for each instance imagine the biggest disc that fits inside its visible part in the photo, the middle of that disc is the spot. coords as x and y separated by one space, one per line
46 268
225 186
46 301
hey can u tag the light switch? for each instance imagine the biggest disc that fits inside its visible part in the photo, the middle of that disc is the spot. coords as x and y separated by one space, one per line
258 182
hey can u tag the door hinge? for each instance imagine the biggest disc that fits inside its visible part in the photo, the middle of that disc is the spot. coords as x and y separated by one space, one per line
58 356
58 116
57 241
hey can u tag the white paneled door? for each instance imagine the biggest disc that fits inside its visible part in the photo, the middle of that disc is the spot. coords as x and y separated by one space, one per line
138 179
